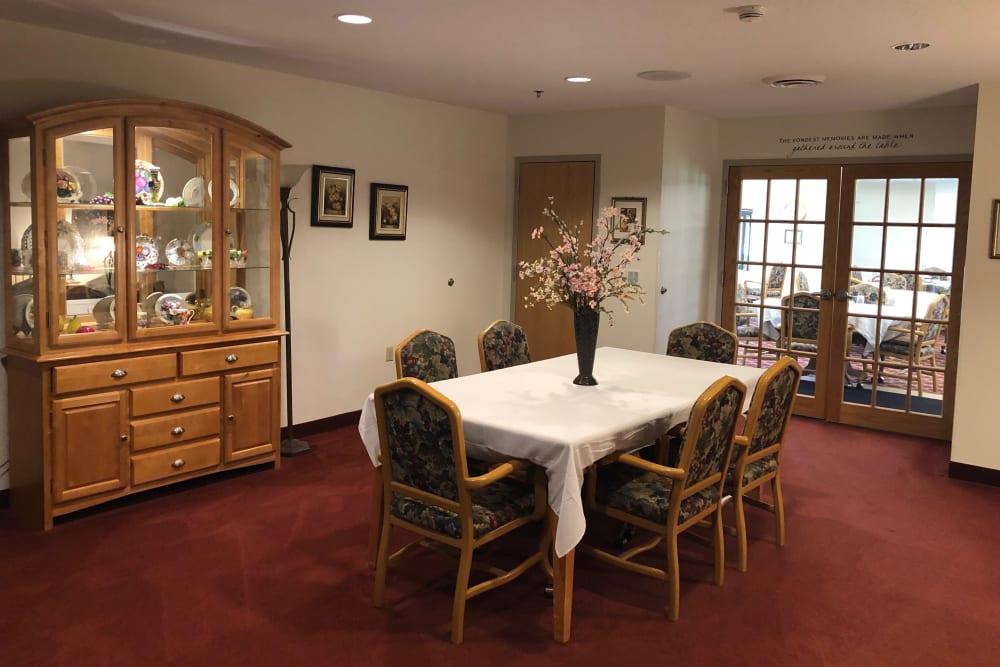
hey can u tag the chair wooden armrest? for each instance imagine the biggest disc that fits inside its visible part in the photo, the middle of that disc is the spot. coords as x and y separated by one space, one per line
496 473
741 441
648 466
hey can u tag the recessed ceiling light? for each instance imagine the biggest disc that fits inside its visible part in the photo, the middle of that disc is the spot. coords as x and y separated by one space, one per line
911 46
578 79
354 19
663 75
794 81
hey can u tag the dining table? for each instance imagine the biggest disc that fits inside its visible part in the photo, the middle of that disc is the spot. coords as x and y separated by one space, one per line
534 412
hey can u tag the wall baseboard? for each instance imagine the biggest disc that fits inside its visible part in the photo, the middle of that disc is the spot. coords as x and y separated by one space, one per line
323 425
971 473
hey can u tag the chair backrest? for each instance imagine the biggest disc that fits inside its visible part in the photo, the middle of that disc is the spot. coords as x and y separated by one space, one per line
938 311
801 282
704 341
870 293
908 281
421 441
775 281
426 355
771 405
800 325
501 345
708 440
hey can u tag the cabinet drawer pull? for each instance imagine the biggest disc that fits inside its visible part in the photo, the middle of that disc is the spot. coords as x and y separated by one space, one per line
124 438
177 430
232 358
230 417
119 373
178 463
177 398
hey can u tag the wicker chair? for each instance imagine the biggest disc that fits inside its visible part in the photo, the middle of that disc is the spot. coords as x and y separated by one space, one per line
429 491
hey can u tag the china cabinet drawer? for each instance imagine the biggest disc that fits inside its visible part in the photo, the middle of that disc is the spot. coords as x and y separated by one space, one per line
174 396
174 427
180 460
104 374
226 358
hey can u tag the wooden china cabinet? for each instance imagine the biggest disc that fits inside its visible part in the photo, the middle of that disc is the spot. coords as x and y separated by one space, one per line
141 299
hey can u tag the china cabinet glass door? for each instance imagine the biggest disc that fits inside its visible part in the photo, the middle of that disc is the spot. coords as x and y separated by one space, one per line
249 233
80 235
171 212
21 304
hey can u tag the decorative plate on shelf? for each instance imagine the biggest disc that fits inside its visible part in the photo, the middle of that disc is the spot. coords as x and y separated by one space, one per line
68 189
234 192
86 181
201 237
104 311
148 182
69 245
180 253
172 309
239 297
193 193
29 314
145 252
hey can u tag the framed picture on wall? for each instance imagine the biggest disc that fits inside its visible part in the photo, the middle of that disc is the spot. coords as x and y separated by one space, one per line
631 218
388 212
333 197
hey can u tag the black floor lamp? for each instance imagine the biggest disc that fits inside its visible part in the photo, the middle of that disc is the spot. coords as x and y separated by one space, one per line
290 175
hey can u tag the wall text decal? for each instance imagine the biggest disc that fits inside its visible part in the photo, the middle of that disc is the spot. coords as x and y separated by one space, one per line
846 142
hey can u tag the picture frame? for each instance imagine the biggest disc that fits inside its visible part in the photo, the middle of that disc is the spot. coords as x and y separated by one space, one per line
995 235
631 217
332 196
388 212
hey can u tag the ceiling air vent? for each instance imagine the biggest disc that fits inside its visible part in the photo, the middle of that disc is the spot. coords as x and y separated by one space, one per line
794 81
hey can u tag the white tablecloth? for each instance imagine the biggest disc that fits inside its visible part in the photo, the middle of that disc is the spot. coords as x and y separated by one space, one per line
535 412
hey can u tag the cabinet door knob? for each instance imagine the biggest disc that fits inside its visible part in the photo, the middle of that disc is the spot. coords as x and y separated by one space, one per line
177 398
230 417
124 438
178 463
119 373
177 430
232 358
120 230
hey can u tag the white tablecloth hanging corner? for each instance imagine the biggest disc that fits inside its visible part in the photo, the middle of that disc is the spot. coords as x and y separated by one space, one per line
535 412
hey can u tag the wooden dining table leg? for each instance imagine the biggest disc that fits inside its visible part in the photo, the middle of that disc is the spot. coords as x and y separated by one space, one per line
562 588
375 529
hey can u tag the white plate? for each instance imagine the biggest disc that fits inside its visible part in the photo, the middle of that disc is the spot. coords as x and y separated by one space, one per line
201 237
145 251
104 310
239 298
193 193
234 192
170 308
180 253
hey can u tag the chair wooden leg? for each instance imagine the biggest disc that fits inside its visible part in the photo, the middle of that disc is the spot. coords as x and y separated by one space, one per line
779 510
719 541
461 594
382 563
375 529
673 578
741 532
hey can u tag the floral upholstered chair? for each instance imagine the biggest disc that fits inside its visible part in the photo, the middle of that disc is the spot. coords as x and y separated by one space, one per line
756 453
800 322
773 287
915 344
704 341
670 500
429 491
501 345
426 355
869 293
801 282
908 281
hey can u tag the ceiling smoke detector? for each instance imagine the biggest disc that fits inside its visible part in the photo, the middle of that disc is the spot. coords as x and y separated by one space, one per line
797 81
750 13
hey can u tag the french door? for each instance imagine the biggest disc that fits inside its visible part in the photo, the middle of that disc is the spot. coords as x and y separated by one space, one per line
855 271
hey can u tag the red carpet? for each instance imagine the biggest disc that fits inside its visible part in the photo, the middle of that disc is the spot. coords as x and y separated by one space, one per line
888 562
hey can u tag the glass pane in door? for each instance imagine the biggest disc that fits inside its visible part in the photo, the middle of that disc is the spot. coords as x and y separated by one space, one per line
248 229
21 316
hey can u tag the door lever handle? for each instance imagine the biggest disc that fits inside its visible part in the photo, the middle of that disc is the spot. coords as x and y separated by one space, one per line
825 294
842 295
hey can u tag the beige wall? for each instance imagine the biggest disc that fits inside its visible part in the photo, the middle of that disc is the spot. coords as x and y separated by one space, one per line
629 142
351 297
975 440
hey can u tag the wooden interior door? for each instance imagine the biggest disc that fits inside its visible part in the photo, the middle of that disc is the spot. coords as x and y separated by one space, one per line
572 184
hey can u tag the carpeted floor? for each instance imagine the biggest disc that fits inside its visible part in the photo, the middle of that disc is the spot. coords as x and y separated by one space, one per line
887 562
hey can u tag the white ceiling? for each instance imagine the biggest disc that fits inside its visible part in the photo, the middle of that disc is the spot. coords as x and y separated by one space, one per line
492 55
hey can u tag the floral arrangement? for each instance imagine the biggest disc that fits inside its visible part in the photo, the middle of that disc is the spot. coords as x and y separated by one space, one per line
66 185
584 275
